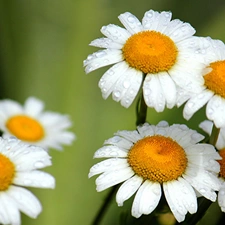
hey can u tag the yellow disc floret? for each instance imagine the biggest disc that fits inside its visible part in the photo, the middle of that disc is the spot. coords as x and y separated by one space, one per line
157 158
222 163
215 80
7 172
150 52
25 128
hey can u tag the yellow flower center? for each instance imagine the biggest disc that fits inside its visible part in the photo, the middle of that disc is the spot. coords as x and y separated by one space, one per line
222 163
25 128
7 172
158 159
215 80
150 52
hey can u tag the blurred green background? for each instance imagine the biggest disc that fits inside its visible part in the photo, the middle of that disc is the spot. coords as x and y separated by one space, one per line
42 47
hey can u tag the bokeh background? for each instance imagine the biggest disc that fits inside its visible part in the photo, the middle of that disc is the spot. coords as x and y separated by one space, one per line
42 47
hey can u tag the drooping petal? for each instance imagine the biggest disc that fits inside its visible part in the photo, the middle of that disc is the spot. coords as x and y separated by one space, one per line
127 189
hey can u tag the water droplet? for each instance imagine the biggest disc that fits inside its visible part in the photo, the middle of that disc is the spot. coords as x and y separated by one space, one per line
222 192
126 84
100 54
39 164
202 191
117 94
113 153
131 19
149 14
190 104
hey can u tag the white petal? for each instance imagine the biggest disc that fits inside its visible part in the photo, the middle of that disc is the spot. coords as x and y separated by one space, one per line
106 43
108 165
115 33
127 87
133 136
119 142
146 130
150 20
130 22
204 183
111 178
195 103
34 178
110 151
221 197
33 106
146 199
156 21
153 93
102 58
25 201
169 194
179 31
127 189
169 89
37 158
8 210
215 110
207 126
111 77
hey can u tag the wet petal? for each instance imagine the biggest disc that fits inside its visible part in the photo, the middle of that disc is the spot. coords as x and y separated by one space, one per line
146 199
102 58
130 22
127 189
116 33
153 93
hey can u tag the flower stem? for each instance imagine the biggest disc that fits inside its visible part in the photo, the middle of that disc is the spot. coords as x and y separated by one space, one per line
141 108
214 135
104 206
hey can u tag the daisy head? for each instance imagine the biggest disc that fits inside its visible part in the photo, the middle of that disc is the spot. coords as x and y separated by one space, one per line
19 166
220 145
158 53
158 158
31 124
212 90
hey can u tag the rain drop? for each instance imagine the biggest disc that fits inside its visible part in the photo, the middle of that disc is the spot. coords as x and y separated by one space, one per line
126 84
131 19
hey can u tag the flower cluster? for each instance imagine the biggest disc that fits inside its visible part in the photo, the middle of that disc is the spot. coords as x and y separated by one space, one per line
27 135
162 61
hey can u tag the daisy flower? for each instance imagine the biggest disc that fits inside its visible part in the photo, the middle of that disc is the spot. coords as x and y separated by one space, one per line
158 158
158 52
220 145
19 164
32 125
212 91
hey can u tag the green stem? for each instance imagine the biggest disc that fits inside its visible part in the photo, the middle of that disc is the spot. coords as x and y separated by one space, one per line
214 135
104 206
141 108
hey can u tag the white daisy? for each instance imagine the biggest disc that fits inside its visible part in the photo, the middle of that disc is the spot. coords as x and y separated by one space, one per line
155 158
212 91
19 164
159 50
220 145
30 124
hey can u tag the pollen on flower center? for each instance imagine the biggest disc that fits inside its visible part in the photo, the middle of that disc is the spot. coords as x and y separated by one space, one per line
7 172
157 158
25 128
150 52
215 80
222 163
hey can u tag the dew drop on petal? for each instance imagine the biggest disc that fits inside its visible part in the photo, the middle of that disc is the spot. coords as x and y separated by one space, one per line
39 165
